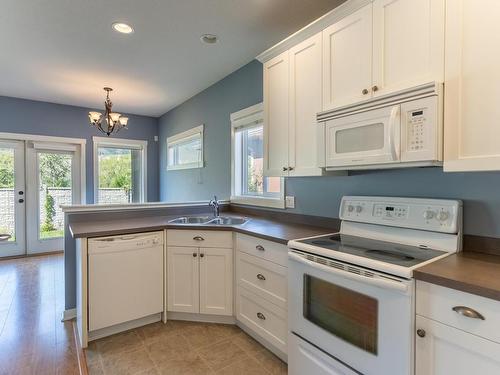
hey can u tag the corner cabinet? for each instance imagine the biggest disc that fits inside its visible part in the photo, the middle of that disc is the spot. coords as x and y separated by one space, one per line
292 98
200 272
471 117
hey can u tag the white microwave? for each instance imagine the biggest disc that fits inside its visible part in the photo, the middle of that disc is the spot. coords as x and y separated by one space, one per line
403 129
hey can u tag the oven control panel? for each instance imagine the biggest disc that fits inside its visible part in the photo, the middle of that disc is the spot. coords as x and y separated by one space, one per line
438 215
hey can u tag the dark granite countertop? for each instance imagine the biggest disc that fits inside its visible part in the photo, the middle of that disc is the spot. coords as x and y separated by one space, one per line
258 226
471 272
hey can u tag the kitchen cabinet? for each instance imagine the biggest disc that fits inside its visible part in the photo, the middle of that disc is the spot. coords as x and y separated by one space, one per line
471 109
292 98
200 278
446 350
456 332
408 44
384 47
347 59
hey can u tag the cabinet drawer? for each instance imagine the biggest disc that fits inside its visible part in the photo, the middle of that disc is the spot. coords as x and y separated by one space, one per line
268 250
437 302
199 238
264 318
262 277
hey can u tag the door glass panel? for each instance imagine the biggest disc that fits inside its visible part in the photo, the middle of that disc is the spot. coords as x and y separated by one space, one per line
120 175
360 138
55 189
7 206
349 315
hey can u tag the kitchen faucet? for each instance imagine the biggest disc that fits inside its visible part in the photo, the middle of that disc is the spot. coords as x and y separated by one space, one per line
215 204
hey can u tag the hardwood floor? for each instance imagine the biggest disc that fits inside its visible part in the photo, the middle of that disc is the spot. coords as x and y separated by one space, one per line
33 340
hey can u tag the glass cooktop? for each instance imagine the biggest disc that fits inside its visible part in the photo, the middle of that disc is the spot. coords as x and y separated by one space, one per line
388 252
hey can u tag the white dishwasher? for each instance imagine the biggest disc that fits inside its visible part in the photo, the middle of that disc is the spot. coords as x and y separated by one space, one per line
125 278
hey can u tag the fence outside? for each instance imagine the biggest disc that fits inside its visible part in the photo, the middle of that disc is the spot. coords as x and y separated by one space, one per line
62 196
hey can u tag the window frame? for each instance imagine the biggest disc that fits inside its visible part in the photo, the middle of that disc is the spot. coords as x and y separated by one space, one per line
182 137
121 143
248 118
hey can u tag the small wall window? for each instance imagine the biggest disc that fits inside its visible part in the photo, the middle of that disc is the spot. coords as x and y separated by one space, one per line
249 185
185 150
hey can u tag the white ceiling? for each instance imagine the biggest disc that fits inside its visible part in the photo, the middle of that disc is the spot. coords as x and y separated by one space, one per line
64 51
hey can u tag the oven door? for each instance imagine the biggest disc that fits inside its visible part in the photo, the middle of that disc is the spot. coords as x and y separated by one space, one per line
367 138
359 317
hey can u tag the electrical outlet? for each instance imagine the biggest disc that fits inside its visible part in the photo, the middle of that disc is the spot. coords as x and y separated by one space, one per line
156 138
289 201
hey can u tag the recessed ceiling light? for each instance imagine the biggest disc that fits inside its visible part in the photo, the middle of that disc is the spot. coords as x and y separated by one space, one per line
209 38
123 28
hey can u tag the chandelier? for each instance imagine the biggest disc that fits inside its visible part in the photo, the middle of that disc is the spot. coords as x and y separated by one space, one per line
111 121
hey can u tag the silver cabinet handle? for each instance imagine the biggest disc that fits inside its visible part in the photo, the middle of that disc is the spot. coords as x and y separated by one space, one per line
260 247
261 276
421 332
198 238
468 312
261 316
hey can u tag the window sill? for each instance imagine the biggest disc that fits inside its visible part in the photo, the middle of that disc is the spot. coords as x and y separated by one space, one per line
259 201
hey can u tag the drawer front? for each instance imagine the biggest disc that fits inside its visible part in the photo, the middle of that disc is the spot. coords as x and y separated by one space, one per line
265 278
437 302
200 238
264 318
264 249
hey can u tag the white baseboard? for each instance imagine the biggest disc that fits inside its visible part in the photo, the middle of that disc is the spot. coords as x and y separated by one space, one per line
263 342
108 331
192 317
68 315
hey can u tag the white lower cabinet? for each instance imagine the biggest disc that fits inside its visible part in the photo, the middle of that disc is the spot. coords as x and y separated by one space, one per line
445 350
456 332
200 279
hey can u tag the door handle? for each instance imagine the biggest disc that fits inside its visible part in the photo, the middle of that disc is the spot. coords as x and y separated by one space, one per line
394 144
202 255
261 316
20 192
198 238
21 200
260 248
261 276
195 255
468 312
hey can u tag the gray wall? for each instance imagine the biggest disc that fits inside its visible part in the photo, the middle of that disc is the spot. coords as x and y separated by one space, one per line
33 117
212 108
314 195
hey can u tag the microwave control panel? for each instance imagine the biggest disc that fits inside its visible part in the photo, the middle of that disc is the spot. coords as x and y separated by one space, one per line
416 125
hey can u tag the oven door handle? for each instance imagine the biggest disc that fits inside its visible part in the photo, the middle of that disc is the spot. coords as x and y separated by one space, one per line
386 284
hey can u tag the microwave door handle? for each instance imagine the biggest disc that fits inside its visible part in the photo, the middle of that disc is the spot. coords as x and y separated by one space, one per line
386 284
393 142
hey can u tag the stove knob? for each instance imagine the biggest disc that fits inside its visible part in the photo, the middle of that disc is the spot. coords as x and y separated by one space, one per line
350 208
443 215
428 214
359 209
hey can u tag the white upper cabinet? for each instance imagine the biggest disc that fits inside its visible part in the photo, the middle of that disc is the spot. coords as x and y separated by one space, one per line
305 103
408 44
347 59
472 92
276 112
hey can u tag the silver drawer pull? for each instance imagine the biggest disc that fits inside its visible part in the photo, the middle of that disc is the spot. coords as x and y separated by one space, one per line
261 316
261 276
260 247
198 238
468 312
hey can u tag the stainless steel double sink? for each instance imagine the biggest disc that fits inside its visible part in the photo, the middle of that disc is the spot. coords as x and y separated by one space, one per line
207 220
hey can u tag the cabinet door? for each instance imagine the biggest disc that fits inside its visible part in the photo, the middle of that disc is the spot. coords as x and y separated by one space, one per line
408 44
347 59
216 281
305 103
445 350
183 279
276 90
471 128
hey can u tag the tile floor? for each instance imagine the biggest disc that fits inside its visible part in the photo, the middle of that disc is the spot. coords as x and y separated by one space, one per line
32 338
185 348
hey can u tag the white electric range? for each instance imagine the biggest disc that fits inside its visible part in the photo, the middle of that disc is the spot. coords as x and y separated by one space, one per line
351 294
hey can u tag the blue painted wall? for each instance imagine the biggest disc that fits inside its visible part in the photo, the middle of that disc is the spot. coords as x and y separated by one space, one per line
34 117
314 195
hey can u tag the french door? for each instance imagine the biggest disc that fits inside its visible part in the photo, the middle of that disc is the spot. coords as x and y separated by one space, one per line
36 178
